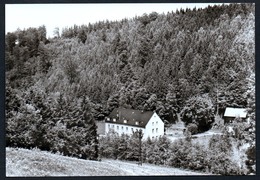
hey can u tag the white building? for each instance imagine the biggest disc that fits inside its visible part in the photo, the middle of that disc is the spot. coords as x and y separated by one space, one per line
232 113
128 121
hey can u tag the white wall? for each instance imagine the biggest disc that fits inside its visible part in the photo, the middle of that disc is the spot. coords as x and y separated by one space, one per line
154 128
120 128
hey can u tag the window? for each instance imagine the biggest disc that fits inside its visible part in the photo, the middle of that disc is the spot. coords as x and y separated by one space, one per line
127 128
153 138
153 123
152 130
125 121
132 129
109 125
136 123
156 137
156 122
113 126
157 130
122 127
117 127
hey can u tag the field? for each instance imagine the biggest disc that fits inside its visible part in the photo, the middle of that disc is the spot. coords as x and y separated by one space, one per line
23 162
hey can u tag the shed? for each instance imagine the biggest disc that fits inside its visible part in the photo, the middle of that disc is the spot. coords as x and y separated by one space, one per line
232 113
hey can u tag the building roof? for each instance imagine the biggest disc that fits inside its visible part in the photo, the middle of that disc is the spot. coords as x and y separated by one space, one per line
132 116
235 112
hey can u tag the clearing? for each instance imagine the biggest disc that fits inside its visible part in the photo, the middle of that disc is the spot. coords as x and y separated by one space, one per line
175 131
24 162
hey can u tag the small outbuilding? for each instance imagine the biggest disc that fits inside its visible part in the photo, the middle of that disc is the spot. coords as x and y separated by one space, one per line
232 113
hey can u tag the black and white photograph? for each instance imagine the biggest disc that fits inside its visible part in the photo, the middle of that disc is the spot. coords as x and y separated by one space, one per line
130 89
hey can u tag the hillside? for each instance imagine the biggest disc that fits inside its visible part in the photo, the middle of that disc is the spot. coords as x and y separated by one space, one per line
23 162
152 62
186 66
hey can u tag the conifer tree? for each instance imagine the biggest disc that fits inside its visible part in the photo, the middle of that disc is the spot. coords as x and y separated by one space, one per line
91 137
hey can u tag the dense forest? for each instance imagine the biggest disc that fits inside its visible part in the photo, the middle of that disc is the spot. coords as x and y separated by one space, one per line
192 64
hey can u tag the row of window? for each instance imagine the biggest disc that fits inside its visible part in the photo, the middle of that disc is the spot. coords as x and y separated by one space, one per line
108 119
132 129
125 121
122 127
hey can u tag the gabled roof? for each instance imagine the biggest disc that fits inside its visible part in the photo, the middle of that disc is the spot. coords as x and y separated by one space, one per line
132 116
235 112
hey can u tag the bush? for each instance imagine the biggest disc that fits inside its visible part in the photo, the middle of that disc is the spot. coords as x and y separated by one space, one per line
180 151
122 147
220 163
219 154
156 152
220 143
199 158
251 159
192 128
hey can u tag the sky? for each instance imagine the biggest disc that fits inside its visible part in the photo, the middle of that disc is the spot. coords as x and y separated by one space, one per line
23 16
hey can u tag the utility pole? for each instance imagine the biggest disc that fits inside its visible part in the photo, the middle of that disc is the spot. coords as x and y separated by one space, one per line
217 95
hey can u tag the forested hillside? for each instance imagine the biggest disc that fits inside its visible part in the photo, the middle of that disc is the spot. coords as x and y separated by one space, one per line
193 62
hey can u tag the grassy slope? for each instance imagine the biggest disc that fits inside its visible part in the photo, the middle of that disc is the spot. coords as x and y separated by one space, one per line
23 162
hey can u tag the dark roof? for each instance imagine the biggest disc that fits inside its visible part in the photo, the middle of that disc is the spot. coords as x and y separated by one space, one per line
132 116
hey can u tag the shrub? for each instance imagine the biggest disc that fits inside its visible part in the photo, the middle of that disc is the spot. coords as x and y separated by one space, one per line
192 128
220 163
180 151
251 159
220 143
219 154
199 158
157 152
